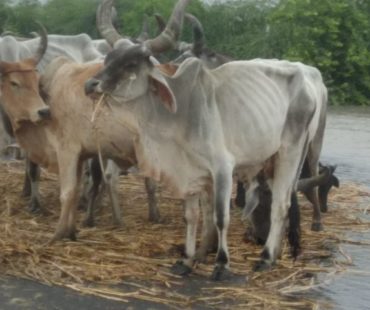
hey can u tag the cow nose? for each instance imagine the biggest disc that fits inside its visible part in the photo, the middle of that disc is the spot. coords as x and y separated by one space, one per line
90 86
44 113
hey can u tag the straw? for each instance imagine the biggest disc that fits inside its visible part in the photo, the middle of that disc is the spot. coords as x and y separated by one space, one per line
134 262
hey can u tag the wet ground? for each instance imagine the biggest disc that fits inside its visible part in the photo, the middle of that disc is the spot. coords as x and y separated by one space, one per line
347 144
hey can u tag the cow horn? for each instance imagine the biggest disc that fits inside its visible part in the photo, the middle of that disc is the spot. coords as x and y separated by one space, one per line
198 33
34 34
168 37
160 22
43 43
144 35
104 22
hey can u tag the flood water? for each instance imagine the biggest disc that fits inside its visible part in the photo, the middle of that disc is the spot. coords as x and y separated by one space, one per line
347 144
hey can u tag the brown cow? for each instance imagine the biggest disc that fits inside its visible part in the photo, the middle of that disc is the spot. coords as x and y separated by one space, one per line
70 136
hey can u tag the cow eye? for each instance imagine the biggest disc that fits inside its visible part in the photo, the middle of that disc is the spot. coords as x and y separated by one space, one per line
131 65
15 84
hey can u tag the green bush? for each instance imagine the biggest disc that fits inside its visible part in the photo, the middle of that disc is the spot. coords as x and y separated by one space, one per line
333 35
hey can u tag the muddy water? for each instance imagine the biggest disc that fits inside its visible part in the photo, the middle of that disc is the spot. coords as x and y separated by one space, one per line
347 144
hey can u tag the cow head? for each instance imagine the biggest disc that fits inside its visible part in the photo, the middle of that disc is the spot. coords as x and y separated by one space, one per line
199 47
129 70
325 188
19 89
129 74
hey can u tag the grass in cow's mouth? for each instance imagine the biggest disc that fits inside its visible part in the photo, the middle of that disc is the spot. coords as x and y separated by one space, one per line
135 261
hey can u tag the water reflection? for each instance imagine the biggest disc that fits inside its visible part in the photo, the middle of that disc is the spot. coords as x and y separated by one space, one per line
347 143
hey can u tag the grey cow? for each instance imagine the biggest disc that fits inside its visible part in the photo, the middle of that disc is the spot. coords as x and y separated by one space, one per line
185 126
213 60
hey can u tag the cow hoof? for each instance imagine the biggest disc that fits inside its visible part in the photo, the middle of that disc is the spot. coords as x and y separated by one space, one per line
35 208
82 205
88 222
180 269
317 227
154 218
261 266
26 192
324 209
220 273
118 222
61 234
73 235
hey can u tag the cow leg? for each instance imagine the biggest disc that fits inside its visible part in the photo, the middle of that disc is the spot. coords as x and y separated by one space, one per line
288 162
86 183
312 193
209 240
240 194
151 188
97 177
34 176
112 173
71 226
294 230
26 191
222 193
69 170
184 266
31 187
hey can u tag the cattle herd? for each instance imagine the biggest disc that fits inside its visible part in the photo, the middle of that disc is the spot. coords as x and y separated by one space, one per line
91 110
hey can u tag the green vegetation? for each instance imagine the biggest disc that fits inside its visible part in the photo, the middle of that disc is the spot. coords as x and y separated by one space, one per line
333 35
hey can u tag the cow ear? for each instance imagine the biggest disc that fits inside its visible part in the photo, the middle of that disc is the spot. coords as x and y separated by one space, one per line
2 67
335 181
160 88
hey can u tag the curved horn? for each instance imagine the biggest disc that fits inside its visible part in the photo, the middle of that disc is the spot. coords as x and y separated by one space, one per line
34 34
167 39
104 22
198 33
144 35
8 33
161 23
43 44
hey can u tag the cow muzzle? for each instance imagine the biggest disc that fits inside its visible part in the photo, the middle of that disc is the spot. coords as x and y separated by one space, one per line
44 113
92 88
40 115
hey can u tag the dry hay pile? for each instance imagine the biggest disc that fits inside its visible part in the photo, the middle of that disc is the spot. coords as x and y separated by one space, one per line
134 261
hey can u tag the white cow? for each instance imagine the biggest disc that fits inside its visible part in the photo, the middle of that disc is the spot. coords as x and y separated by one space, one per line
195 128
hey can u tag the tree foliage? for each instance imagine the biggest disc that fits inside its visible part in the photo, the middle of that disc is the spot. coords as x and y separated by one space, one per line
333 35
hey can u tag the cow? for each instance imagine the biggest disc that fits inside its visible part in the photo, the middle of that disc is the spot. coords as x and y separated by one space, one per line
80 48
199 47
324 181
70 136
256 202
185 127
213 60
